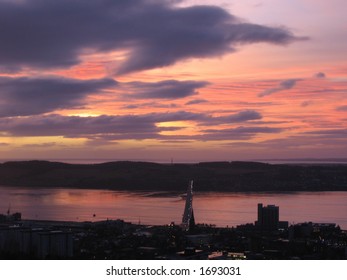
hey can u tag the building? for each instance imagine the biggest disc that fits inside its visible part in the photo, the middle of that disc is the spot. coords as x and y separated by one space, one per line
55 244
15 217
35 243
268 217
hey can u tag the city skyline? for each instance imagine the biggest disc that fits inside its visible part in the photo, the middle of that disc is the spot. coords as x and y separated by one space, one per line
188 80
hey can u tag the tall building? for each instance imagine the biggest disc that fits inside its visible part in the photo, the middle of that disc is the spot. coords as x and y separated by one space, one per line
188 215
55 244
268 217
37 243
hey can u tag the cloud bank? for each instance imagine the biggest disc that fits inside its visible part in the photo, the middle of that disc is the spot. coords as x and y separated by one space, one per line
52 34
32 96
27 96
116 127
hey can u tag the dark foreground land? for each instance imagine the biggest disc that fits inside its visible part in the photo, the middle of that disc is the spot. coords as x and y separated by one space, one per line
116 239
207 176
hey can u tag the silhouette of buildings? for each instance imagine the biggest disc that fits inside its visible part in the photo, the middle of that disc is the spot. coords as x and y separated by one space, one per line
36 243
10 217
115 239
268 217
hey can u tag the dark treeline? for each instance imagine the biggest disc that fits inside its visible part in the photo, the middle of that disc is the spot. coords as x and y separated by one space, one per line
207 176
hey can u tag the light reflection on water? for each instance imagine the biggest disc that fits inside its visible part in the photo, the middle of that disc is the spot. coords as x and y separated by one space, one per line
221 209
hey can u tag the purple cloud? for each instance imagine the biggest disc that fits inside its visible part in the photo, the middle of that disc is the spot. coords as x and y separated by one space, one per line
196 101
168 89
51 34
27 96
306 103
342 108
284 85
239 133
320 75
116 127
32 96
329 133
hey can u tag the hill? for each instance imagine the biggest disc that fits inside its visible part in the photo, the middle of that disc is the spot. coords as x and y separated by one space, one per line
146 176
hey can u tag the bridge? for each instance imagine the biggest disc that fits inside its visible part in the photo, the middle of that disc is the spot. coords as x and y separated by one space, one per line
188 214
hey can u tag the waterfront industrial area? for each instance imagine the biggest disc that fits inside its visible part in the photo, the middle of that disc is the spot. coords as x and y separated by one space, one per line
267 238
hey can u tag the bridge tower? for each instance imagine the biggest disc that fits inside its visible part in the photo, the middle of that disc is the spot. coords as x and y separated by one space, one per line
188 214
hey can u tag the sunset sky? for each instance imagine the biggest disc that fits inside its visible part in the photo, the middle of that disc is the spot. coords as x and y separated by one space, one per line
157 80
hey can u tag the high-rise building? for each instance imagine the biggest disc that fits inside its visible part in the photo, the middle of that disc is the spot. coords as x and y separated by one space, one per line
268 217
55 244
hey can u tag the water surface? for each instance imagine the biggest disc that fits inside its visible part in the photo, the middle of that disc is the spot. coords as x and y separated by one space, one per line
221 209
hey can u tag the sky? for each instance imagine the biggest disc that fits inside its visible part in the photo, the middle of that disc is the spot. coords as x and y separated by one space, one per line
170 80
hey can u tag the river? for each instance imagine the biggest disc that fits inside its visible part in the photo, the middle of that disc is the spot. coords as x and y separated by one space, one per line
221 209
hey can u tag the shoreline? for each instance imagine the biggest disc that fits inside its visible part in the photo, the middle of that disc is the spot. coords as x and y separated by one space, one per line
78 224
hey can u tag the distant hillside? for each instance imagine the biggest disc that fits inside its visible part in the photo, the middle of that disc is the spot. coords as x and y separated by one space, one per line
207 176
